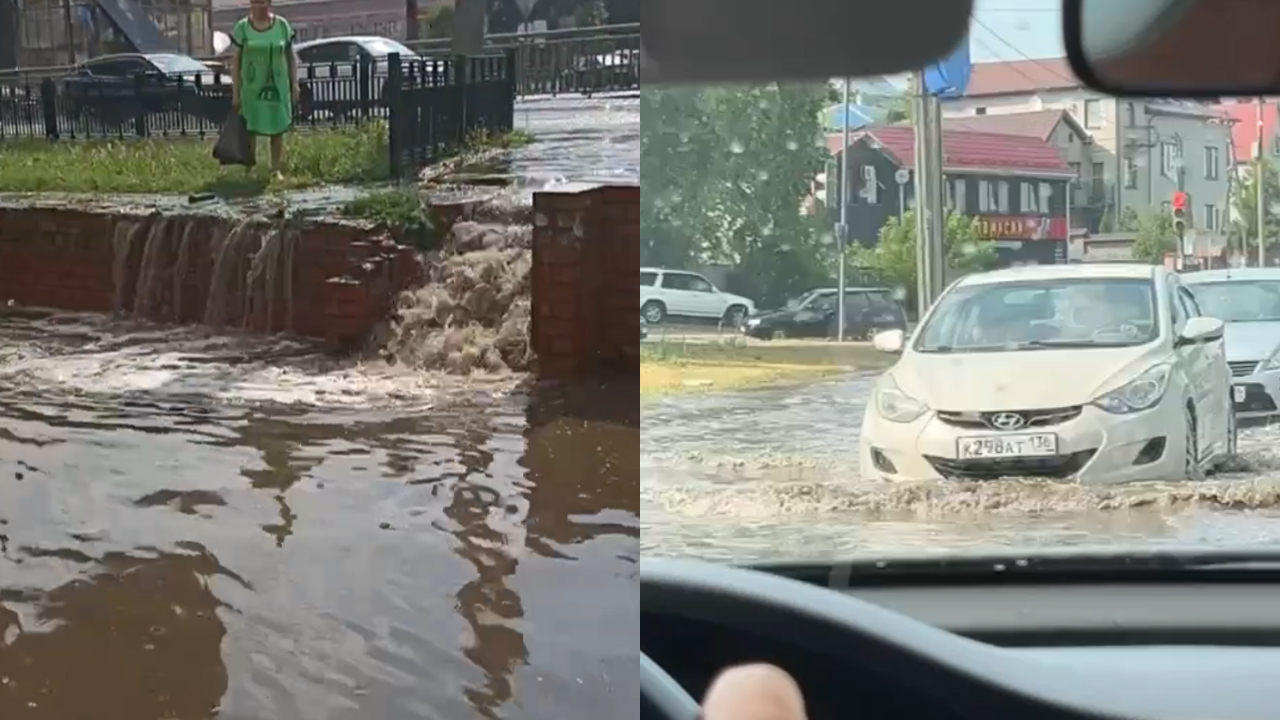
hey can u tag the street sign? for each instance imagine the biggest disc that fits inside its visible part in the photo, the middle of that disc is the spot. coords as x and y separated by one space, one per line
902 176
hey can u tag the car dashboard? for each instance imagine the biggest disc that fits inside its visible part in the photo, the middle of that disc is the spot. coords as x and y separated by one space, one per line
1078 645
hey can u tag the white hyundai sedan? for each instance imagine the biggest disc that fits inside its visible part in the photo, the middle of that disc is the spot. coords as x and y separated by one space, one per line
1099 373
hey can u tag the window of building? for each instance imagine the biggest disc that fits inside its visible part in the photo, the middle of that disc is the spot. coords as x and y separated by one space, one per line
1130 115
870 185
959 194
1046 197
1002 197
1093 117
1170 159
1211 159
1130 173
1210 217
1028 200
986 196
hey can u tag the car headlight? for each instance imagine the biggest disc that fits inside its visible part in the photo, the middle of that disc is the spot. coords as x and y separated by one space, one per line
1141 393
895 405
1273 362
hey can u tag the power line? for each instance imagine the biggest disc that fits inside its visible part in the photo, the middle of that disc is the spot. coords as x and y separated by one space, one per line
1016 49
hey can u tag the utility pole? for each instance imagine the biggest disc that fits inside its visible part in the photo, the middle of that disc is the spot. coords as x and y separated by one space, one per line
411 24
930 213
842 227
1259 180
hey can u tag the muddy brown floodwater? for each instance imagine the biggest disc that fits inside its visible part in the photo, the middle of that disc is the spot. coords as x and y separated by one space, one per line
194 526
773 474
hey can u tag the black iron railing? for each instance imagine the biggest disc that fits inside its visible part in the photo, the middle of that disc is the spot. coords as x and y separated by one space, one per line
430 105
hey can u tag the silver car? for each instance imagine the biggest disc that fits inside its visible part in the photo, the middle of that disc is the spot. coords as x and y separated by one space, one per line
1248 301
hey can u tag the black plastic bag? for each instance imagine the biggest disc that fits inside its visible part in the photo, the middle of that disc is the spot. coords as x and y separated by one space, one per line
235 145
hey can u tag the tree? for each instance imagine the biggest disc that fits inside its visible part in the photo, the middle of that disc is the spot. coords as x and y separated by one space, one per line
724 171
1244 229
1154 239
893 258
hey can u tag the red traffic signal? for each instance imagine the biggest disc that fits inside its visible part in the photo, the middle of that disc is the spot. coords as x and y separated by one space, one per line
1179 201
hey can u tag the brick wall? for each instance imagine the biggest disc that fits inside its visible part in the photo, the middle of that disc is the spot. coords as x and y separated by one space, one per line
586 258
321 280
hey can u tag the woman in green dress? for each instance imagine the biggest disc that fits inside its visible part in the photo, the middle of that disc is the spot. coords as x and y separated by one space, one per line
265 76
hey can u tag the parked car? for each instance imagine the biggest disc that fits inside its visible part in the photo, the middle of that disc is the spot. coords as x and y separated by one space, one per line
688 294
1248 301
867 310
332 73
116 88
1099 374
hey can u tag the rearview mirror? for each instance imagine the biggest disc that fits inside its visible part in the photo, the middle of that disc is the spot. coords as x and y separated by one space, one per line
889 341
1200 330
1174 47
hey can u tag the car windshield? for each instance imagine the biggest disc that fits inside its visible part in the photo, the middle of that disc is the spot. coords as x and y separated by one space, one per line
1012 316
1240 300
819 435
177 64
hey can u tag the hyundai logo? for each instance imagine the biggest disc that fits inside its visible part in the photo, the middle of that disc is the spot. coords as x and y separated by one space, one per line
1007 421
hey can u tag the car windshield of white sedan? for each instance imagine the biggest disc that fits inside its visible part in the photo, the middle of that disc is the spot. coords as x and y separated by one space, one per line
995 317
1240 300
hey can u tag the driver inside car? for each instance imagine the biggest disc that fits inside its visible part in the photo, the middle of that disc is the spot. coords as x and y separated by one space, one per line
754 692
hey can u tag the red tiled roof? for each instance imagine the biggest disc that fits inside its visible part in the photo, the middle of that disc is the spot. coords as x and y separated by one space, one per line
1244 131
965 150
1020 76
1037 123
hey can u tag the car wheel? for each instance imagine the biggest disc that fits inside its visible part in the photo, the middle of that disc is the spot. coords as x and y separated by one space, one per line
1191 461
734 316
654 312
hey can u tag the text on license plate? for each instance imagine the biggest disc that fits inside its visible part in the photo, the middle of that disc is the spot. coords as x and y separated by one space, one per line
1239 392
1006 446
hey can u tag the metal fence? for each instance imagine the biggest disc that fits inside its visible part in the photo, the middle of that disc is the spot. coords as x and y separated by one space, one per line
551 63
429 105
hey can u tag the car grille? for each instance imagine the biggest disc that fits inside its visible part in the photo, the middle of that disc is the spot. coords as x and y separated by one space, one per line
1056 467
1030 418
1243 368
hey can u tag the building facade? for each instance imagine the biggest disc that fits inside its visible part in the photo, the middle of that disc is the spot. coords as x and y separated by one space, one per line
1017 187
1139 151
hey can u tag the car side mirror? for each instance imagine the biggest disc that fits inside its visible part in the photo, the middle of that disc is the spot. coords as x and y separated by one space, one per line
890 341
1199 330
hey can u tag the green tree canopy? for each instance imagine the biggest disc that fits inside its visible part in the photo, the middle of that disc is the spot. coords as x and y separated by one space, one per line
1244 229
724 172
1155 237
893 258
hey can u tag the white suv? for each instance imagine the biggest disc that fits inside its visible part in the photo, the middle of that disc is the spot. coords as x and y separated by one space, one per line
688 294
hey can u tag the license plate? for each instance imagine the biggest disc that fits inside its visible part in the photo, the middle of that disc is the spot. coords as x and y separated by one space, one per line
1007 446
1239 392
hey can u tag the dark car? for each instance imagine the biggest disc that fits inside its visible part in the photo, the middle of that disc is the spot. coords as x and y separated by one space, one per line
117 88
814 315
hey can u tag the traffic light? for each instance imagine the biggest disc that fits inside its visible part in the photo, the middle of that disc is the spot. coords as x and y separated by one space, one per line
1180 202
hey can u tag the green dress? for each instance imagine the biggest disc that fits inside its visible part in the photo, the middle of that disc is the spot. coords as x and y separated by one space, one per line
266 100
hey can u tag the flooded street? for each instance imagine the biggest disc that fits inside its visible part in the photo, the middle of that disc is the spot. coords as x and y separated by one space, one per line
196 525
578 140
773 474
180 534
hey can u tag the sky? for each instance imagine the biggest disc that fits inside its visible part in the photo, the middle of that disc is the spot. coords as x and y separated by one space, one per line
1016 30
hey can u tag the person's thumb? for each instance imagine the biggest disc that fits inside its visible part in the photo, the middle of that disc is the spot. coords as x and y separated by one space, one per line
754 692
